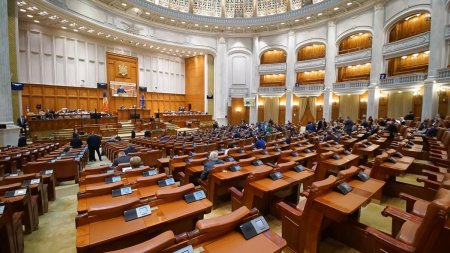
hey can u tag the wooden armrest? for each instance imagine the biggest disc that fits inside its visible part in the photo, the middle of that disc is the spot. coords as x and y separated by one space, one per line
410 200
290 211
431 167
387 240
272 165
435 185
444 162
235 192
396 213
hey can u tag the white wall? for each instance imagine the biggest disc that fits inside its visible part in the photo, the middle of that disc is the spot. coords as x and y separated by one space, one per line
59 57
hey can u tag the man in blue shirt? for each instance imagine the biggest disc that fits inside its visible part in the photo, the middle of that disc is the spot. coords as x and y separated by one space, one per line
260 143
310 127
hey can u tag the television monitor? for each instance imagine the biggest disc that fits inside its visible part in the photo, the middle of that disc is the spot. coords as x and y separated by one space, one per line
122 89
96 115
251 101
16 86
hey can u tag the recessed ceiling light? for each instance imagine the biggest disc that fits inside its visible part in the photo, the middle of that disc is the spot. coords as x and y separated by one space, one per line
72 25
82 27
30 16
36 21
308 17
43 13
63 27
115 38
415 55
75 30
124 4
53 17
107 36
157 47
99 33
196 24
216 27
161 17
172 20
151 46
206 26
336 8
320 14
144 45
164 49
349 3
22 10
183 22
64 21
296 20
282 23
137 43
147 13
262 26
91 30
426 52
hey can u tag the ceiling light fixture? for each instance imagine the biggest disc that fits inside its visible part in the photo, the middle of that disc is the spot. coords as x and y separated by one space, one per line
23 10
336 8
63 27
124 4
30 16
427 52
349 3
90 30
161 17
36 21
320 14
75 30
308 17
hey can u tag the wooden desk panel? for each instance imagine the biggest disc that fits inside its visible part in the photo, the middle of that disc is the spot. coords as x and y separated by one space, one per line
66 123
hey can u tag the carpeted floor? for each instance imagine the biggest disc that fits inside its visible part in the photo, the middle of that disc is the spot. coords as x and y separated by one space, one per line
57 231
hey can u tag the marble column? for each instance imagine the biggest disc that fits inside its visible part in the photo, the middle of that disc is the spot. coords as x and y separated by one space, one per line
8 136
290 75
253 90
436 61
377 63
330 70
220 87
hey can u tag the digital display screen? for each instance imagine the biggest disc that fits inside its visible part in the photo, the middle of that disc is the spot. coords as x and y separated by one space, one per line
122 89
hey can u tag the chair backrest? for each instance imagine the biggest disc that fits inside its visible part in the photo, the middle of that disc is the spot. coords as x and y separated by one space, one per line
347 174
283 167
155 245
167 195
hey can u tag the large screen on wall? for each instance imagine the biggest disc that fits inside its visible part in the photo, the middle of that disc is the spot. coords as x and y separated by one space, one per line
249 101
122 89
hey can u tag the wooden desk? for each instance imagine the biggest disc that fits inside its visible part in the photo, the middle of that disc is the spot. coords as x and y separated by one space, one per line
332 165
162 163
66 123
337 207
7 233
125 114
368 151
304 158
116 233
268 241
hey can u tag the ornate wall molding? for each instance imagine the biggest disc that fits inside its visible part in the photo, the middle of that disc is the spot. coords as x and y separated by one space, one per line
351 87
272 91
354 57
238 92
447 32
275 68
403 82
310 64
308 90
405 46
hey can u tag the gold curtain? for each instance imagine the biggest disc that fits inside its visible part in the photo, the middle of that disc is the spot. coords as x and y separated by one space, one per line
349 106
312 106
271 109
399 104
302 107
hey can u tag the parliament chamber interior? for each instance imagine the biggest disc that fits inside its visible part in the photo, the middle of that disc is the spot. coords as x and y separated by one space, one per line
224 126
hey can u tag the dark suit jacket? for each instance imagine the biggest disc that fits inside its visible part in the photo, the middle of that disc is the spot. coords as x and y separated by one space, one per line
22 142
76 143
20 123
94 141
130 150
122 159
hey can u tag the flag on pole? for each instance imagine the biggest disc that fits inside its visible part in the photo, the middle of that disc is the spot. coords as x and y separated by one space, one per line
105 102
142 101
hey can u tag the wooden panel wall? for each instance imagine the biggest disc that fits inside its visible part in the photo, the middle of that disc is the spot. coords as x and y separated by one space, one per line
112 62
335 107
411 64
352 73
415 24
417 105
310 52
261 102
295 110
310 77
273 56
195 83
319 107
282 110
355 42
444 104
238 112
382 106
56 97
363 98
272 80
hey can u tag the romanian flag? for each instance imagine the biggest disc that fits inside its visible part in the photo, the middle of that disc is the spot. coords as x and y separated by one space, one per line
105 102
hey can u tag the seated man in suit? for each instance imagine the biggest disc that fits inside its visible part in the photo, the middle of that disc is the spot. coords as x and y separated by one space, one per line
260 143
310 127
121 158
76 142
22 141
212 160
121 90
22 123
130 149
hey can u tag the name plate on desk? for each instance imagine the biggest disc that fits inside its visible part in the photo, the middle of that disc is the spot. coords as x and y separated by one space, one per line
391 160
264 152
125 169
229 159
2 209
13 175
32 181
276 175
254 227
149 173
278 149
344 188
294 154
109 171
234 168
307 150
195 196
299 168
336 157
15 193
137 212
166 182
110 180
187 249
346 152
121 191
46 172
257 163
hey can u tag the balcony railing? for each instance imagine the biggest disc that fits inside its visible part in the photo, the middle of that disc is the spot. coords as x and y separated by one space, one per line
238 92
275 68
272 90
444 74
307 65
351 85
407 46
403 80
309 87
354 57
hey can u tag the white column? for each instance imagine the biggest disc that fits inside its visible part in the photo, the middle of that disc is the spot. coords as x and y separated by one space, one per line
10 135
377 63
290 75
436 60
373 102
289 101
206 82
253 89
330 70
220 87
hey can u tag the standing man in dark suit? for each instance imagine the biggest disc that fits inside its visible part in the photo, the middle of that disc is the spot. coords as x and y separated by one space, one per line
94 142
22 123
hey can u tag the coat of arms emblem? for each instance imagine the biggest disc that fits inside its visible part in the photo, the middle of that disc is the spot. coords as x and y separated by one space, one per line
123 69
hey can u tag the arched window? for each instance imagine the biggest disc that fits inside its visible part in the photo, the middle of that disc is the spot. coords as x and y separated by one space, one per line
412 25
273 56
355 42
311 51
